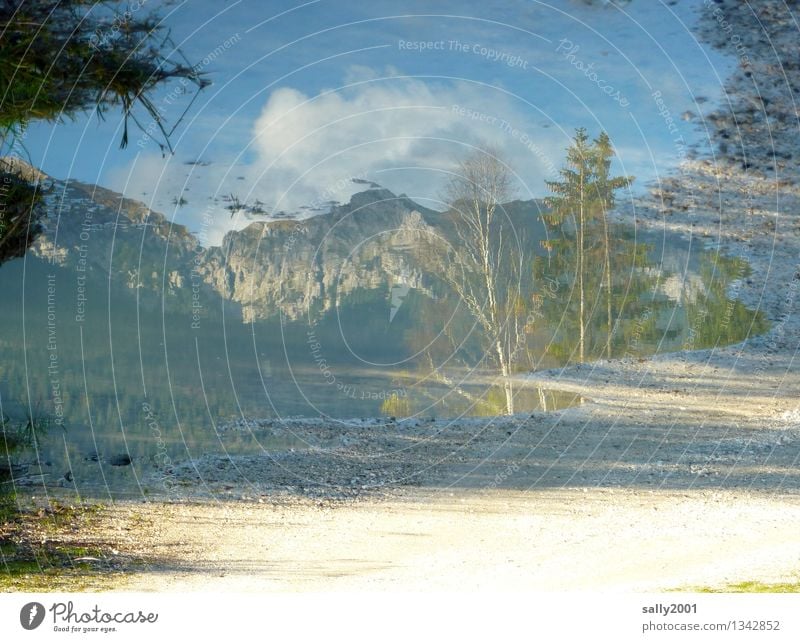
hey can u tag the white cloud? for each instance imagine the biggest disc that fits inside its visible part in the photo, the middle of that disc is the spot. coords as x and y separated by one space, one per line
390 128
403 133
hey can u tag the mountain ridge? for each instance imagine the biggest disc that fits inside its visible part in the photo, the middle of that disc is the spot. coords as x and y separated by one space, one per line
292 267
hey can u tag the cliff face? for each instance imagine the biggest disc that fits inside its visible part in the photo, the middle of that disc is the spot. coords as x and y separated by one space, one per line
307 267
292 268
97 233
287 267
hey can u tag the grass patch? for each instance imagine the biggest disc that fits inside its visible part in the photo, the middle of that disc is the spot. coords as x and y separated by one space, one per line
55 548
755 586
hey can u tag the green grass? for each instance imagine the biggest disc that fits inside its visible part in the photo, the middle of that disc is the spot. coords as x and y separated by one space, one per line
53 568
755 586
53 548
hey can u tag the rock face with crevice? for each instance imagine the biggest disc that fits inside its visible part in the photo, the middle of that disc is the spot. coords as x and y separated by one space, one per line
96 233
294 268
305 267
287 267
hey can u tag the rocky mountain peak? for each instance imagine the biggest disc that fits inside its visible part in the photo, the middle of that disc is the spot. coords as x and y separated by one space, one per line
16 165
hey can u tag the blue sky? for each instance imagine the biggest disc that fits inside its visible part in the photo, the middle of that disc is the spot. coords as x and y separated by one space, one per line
307 95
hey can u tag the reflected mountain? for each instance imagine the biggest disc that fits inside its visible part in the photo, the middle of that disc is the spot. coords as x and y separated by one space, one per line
137 339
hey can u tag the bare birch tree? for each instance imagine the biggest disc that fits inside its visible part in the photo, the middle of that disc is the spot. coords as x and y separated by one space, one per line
485 269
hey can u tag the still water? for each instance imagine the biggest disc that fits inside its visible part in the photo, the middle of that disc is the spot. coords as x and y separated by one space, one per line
128 378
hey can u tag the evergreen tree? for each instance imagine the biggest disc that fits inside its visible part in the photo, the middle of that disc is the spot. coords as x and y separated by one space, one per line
571 200
61 58
58 59
605 186
584 194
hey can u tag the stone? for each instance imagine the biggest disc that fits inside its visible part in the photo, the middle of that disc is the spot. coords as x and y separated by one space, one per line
120 460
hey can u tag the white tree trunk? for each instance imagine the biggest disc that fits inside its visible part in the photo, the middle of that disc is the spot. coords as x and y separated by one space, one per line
509 396
608 284
505 371
581 338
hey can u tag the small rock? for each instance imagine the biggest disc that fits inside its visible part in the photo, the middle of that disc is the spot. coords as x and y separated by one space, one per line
120 460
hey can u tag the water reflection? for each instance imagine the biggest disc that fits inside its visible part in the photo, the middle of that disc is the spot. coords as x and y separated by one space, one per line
387 336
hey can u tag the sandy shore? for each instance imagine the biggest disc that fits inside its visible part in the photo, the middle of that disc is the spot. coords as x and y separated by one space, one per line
680 471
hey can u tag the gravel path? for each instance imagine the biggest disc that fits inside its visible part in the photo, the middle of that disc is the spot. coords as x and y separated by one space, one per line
492 540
